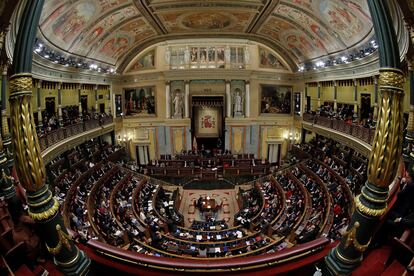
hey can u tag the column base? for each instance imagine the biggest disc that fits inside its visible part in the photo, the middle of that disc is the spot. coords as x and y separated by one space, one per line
78 266
339 265
44 209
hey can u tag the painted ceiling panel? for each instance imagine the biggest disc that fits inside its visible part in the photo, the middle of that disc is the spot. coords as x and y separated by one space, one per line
110 30
321 27
210 20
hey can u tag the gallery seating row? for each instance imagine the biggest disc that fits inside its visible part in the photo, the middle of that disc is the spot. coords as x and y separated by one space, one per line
53 137
360 132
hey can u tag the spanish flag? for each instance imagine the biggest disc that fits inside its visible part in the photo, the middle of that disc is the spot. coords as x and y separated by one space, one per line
194 143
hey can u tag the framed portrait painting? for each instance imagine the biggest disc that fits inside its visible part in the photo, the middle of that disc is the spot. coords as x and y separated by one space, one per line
140 101
275 99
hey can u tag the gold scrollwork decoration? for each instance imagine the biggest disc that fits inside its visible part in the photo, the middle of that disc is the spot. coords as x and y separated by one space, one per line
393 78
4 119
369 211
351 239
20 82
46 214
63 241
5 126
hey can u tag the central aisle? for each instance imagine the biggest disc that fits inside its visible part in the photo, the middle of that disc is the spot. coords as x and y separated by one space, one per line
227 196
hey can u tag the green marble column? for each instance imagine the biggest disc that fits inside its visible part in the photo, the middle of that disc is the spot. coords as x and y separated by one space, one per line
383 163
43 207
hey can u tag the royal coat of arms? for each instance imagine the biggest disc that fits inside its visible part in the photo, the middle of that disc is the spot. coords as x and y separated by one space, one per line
207 121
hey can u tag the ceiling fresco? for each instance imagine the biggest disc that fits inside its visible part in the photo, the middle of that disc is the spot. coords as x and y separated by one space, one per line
206 21
114 31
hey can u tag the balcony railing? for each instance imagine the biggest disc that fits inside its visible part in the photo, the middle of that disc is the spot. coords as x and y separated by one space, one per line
360 132
55 136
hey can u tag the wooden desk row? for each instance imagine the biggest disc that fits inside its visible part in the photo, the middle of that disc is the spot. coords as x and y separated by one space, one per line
208 172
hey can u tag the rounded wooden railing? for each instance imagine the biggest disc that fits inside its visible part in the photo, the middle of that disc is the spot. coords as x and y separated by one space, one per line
55 136
360 132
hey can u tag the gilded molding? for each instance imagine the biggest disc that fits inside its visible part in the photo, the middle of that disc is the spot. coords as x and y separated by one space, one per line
410 124
45 214
387 145
19 83
351 239
391 78
63 241
28 159
4 125
369 211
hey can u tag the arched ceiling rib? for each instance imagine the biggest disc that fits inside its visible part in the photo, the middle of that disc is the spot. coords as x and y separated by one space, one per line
112 31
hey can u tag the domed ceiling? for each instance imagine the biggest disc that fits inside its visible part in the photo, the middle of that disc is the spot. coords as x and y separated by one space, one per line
114 31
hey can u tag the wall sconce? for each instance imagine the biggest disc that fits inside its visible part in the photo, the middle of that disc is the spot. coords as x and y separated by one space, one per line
290 136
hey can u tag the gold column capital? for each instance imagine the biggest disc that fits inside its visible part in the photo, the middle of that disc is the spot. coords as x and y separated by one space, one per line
391 78
20 82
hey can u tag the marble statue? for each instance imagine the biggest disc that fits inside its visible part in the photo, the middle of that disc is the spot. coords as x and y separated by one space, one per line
238 103
167 55
178 104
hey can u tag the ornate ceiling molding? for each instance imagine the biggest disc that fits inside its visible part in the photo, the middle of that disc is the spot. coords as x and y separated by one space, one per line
151 17
262 16
104 30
